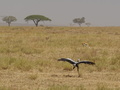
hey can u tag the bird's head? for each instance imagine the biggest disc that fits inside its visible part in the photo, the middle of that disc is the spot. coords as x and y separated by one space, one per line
78 60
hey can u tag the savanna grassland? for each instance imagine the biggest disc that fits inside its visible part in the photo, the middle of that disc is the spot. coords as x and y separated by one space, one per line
28 58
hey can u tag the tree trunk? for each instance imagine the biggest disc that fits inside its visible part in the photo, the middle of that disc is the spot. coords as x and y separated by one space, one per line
36 22
9 24
80 24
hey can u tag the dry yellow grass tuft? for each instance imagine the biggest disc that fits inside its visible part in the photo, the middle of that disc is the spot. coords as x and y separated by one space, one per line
28 58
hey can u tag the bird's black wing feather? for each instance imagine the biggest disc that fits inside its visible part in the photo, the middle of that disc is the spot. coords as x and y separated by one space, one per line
86 62
68 60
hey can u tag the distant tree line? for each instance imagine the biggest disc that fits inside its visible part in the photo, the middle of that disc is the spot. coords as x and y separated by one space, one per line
37 18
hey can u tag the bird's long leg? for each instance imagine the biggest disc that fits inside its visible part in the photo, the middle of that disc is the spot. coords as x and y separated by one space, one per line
74 67
78 71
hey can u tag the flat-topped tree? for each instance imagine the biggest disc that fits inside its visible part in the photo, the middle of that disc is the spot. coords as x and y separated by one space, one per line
9 19
37 18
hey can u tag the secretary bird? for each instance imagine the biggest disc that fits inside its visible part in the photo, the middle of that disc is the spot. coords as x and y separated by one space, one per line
76 64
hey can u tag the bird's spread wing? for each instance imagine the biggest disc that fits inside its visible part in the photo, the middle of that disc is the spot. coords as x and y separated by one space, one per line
86 62
68 60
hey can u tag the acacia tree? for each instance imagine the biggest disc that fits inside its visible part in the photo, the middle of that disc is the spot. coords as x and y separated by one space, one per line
36 19
79 20
9 19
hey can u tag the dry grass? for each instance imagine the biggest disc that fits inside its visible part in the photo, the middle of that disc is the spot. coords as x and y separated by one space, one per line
28 58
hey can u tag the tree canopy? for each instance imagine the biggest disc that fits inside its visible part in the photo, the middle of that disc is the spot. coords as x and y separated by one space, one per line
79 20
36 19
9 19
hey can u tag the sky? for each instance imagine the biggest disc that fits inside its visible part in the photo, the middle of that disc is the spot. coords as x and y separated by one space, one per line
62 12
